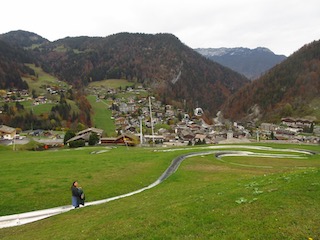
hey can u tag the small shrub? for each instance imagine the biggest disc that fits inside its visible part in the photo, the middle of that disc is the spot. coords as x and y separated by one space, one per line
77 143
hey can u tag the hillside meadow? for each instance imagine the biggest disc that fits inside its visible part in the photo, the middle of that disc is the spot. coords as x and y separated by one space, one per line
102 117
112 83
43 79
232 197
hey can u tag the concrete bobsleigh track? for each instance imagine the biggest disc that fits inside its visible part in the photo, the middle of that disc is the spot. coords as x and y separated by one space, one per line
28 217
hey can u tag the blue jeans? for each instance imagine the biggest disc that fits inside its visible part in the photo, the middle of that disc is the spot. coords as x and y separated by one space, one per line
75 201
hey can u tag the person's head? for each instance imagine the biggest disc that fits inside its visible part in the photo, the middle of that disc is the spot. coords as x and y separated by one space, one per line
75 184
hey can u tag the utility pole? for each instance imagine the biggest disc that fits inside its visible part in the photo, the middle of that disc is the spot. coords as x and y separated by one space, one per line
151 120
140 118
14 143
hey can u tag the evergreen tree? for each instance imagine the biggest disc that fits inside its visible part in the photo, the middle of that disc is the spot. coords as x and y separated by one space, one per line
34 94
19 106
69 134
312 127
93 139
272 135
6 108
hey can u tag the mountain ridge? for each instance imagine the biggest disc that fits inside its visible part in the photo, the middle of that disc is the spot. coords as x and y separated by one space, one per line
252 63
287 90
176 73
153 60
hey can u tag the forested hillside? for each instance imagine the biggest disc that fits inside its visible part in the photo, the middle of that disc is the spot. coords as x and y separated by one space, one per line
173 71
12 66
15 53
286 90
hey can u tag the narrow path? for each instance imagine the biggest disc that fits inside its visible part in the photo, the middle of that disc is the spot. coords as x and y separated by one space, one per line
28 217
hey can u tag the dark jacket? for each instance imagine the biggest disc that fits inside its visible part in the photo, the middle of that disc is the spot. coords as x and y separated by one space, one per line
81 196
75 192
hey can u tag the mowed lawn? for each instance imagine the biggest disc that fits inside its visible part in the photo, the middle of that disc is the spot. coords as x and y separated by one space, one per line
204 199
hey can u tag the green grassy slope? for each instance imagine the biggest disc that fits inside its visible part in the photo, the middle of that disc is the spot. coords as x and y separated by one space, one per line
205 199
42 79
102 115
39 177
112 83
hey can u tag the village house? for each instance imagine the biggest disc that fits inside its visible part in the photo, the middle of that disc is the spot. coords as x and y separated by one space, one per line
304 123
126 139
85 134
186 135
194 127
127 107
169 113
130 129
121 121
292 122
7 133
268 127
199 137
39 100
169 137
282 134
91 130
155 138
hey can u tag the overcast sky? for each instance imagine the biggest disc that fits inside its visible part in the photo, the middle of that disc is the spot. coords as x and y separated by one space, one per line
283 26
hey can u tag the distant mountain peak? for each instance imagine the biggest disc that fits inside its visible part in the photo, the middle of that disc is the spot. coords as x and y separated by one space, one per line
263 49
231 51
252 63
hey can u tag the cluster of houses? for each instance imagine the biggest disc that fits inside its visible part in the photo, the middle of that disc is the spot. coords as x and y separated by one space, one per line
292 129
190 131
196 130
130 113
293 124
135 118
184 134
16 95
193 129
